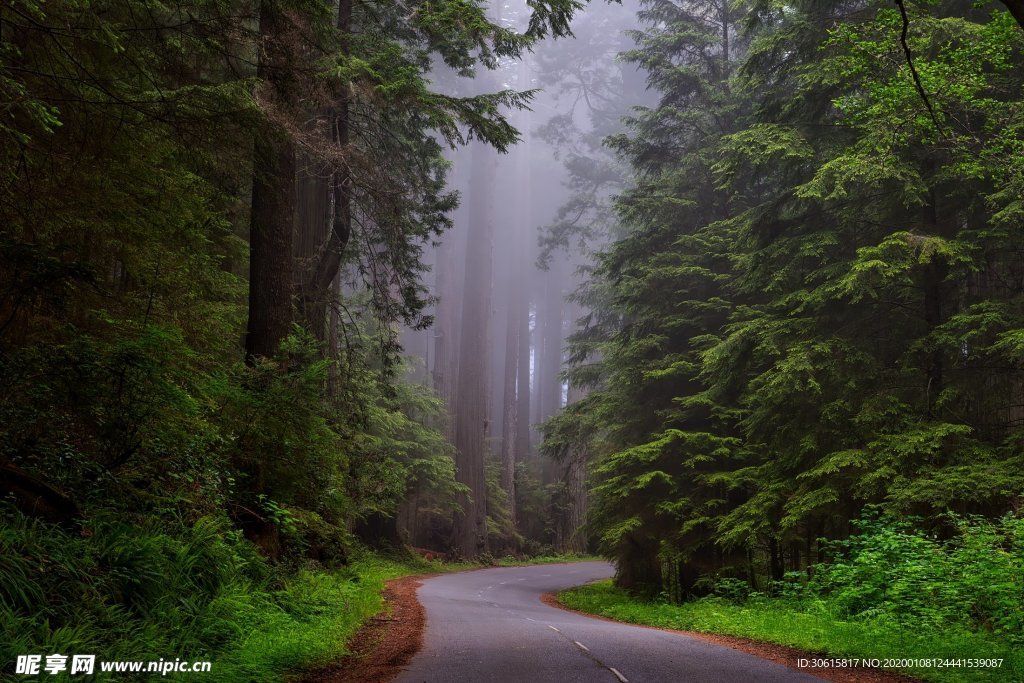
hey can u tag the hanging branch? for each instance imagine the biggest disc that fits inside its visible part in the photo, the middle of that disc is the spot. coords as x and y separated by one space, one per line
913 69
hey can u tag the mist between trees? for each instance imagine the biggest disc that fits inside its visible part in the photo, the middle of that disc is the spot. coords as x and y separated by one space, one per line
690 284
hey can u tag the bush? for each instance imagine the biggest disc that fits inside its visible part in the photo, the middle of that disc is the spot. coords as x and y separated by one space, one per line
893 571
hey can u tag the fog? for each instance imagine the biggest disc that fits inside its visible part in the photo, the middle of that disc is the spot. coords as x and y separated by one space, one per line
503 277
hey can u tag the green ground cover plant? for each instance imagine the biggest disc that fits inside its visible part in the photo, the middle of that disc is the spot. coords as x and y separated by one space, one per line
199 592
891 591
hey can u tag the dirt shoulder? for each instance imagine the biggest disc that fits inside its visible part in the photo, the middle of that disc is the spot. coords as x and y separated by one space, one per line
385 643
780 654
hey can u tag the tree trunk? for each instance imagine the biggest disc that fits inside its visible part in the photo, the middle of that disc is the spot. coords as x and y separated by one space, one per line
324 266
312 229
510 406
523 380
273 202
551 351
446 342
575 482
469 535
934 291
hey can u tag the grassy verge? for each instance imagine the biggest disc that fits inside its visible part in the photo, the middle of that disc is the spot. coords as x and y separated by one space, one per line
310 622
809 627
512 561
148 590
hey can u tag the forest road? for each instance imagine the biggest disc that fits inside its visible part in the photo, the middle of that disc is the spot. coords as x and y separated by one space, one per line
490 625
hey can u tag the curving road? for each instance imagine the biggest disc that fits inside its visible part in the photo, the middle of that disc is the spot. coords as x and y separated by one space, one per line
490 625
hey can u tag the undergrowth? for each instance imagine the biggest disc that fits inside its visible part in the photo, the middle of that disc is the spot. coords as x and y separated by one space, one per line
199 591
892 591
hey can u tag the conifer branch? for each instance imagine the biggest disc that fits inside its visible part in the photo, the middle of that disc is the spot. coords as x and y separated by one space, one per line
913 69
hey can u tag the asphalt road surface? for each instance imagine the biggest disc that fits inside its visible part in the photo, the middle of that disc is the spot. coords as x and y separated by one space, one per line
490 625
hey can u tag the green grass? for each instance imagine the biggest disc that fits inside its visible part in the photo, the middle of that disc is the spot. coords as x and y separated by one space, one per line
158 590
310 623
512 561
142 592
323 611
809 627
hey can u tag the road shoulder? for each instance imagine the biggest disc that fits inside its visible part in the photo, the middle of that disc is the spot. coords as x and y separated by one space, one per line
386 642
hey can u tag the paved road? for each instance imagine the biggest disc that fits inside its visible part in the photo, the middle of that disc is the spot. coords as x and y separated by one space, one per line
490 625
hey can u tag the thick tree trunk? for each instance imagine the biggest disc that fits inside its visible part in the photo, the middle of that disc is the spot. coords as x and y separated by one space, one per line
469 536
323 267
523 238
510 406
523 380
314 219
575 483
551 352
273 203
934 293
444 374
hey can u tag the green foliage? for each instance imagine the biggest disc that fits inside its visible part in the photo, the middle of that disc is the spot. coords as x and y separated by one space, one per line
891 590
195 591
814 628
202 496
814 304
128 590
894 572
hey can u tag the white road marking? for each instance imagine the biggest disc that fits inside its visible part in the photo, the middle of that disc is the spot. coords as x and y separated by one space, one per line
553 628
581 646
618 675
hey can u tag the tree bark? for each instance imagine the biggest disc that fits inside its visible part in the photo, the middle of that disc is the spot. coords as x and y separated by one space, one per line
574 481
327 263
510 406
469 535
313 225
446 342
523 380
273 202
551 350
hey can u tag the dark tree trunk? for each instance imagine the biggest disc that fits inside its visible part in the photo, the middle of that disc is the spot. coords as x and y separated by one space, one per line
446 342
776 560
934 291
575 482
273 201
324 265
314 219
